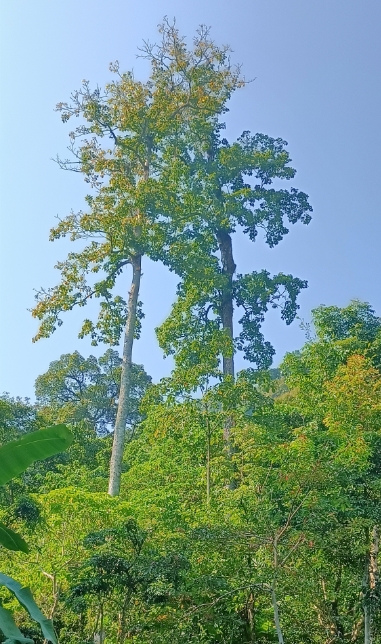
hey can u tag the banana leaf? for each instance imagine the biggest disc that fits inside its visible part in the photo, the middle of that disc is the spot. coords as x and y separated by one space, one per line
11 540
17 455
10 630
25 598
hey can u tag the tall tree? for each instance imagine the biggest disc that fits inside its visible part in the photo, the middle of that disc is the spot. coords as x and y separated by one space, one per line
233 190
147 123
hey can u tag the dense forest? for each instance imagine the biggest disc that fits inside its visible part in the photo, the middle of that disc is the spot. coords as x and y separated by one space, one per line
218 505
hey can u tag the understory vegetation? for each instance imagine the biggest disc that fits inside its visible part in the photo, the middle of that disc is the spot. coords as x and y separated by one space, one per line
275 539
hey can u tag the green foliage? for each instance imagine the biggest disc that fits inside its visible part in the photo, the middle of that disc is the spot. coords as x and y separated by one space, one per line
128 148
255 293
11 540
126 575
178 558
17 417
220 178
269 535
357 320
153 126
86 390
24 596
15 457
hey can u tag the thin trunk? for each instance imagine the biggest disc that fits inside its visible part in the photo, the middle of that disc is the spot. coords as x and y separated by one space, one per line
101 633
373 558
250 617
366 605
125 380
370 583
99 636
56 593
336 627
273 592
122 619
276 614
367 634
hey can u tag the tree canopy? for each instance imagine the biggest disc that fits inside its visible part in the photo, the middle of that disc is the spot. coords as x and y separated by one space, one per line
76 389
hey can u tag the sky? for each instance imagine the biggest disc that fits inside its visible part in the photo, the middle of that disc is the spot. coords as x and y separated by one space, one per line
315 66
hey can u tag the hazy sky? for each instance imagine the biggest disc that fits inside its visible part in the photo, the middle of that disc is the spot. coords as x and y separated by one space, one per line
316 65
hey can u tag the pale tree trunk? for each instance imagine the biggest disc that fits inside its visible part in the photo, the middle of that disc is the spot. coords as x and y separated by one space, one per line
56 594
250 617
276 615
367 635
373 558
125 380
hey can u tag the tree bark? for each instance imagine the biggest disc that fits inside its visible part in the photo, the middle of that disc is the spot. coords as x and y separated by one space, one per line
125 380
207 459
366 605
370 583
276 615
228 269
373 558
273 592
367 635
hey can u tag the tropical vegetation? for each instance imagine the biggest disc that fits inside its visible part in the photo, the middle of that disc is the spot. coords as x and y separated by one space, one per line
216 506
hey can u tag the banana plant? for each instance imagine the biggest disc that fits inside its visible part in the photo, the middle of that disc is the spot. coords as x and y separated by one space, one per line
15 458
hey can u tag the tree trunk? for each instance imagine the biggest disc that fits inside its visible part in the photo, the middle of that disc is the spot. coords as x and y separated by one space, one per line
367 635
273 592
276 615
373 558
370 583
207 458
228 270
125 380
248 616
366 605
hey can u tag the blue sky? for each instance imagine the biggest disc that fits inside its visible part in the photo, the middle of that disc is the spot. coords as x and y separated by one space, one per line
317 85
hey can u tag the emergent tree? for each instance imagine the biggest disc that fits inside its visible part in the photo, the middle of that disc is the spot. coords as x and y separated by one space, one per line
233 191
147 123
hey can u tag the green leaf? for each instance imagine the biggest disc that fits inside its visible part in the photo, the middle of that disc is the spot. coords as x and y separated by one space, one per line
11 540
25 598
10 630
17 455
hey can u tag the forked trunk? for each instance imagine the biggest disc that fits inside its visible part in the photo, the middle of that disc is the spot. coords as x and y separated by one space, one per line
125 380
